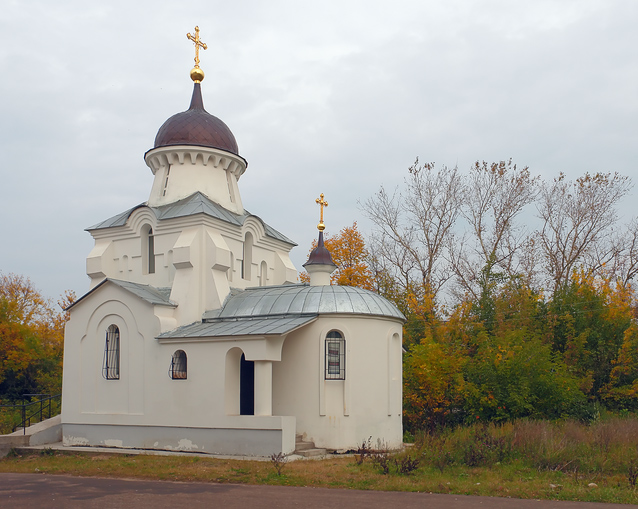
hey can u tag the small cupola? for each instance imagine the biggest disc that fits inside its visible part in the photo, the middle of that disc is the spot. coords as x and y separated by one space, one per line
320 265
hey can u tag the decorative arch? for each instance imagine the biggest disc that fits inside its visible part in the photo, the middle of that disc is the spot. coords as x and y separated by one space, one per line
239 384
97 394
141 216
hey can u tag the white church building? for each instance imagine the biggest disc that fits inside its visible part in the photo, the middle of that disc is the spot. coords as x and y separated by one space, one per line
195 334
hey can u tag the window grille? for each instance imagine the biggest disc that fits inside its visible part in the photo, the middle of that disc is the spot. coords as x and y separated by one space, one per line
111 363
177 370
335 368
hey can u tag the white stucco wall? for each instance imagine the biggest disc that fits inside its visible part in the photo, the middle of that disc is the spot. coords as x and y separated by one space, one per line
145 400
200 258
337 414
185 169
340 414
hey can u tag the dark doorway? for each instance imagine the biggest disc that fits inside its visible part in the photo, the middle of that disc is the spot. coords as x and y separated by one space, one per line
246 386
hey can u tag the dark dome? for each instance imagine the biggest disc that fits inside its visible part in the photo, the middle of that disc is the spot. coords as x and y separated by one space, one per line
196 126
319 255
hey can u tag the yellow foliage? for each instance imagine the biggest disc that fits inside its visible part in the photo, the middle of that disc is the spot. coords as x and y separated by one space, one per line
349 254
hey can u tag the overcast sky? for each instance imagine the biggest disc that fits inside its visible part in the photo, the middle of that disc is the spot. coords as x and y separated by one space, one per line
337 97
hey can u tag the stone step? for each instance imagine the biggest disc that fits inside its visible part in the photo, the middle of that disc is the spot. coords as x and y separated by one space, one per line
306 448
303 446
307 453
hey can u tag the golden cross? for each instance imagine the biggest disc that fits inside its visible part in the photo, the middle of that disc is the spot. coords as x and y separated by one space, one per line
198 44
322 203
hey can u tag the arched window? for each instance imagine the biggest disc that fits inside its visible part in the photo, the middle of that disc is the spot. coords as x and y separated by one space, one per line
111 362
335 368
178 370
148 250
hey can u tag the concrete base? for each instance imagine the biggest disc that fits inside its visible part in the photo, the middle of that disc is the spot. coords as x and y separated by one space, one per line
45 432
254 441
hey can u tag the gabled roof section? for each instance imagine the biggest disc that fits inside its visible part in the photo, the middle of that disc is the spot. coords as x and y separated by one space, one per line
264 326
150 294
196 203
119 220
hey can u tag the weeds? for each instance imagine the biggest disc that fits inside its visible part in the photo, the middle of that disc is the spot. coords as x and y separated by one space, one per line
385 460
279 461
485 448
406 464
381 457
632 472
570 447
382 461
363 451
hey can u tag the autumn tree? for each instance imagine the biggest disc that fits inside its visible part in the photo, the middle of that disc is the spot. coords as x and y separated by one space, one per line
349 253
31 339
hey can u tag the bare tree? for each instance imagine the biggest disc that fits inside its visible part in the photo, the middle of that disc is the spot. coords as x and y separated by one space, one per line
617 257
496 195
413 227
577 219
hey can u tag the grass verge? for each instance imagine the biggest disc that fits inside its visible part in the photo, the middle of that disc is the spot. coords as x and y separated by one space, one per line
514 480
527 459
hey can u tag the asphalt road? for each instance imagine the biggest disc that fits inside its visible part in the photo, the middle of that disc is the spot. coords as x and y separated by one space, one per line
58 491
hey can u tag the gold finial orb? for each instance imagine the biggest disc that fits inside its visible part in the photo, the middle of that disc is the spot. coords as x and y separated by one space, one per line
322 203
197 75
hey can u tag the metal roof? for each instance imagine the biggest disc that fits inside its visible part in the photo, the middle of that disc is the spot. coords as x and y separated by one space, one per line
196 203
304 299
274 325
151 294
196 126
281 309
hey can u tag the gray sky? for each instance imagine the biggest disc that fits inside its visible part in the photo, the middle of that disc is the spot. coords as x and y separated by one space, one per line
333 97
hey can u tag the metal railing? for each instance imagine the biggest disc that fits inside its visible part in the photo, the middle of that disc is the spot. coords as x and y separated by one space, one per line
27 413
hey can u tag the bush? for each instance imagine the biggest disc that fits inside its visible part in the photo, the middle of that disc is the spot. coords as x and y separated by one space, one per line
519 376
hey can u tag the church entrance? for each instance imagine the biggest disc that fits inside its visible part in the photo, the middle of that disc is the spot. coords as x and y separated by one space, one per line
246 387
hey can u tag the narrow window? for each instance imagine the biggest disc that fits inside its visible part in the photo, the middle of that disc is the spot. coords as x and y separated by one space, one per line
151 252
168 172
148 250
335 356
248 257
111 363
231 193
178 365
